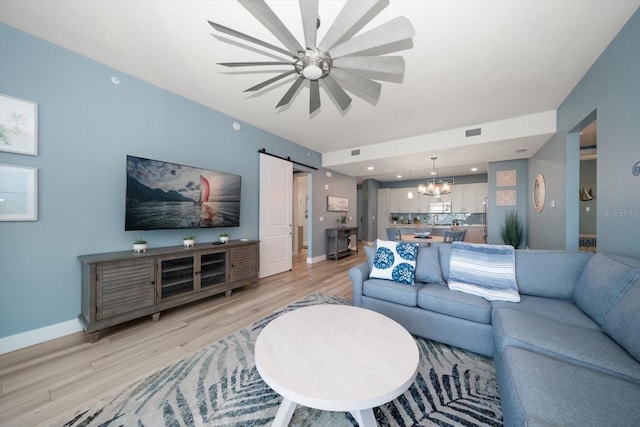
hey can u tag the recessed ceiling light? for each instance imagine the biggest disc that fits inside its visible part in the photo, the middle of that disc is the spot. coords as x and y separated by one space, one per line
399 176
521 150
370 168
474 169
433 172
115 80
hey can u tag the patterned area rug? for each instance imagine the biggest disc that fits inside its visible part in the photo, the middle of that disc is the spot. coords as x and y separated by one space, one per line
220 386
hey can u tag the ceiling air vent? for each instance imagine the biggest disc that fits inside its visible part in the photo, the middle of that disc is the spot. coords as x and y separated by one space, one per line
355 152
473 132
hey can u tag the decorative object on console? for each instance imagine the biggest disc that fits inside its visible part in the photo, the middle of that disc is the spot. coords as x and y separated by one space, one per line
488 271
586 195
337 55
189 241
18 193
224 237
162 195
435 187
538 193
139 245
18 125
395 261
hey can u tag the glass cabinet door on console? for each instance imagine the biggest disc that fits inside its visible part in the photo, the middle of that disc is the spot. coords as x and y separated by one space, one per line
176 276
213 269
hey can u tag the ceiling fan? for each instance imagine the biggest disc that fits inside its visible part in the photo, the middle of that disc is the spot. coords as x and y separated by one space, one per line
351 60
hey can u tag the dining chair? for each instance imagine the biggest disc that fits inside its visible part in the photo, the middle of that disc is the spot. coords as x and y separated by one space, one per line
394 234
454 236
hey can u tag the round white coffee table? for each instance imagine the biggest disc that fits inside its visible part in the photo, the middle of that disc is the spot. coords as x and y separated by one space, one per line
336 358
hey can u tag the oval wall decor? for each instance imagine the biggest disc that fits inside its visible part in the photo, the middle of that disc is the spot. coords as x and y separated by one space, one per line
538 193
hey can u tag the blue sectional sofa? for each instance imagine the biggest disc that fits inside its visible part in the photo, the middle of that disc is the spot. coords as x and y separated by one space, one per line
567 354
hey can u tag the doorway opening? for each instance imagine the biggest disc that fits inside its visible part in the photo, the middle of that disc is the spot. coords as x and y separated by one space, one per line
588 187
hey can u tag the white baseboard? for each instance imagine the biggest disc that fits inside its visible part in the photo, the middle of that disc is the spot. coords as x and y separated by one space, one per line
36 336
316 259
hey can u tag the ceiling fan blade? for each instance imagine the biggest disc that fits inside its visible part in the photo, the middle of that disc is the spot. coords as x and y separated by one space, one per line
354 15
292 91
251 64
248 38
271 80
314 97
393 31
338 94
264 14
309 12
368 87
381 64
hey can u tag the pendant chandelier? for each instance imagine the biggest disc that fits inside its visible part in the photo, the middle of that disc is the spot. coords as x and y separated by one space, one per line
435 187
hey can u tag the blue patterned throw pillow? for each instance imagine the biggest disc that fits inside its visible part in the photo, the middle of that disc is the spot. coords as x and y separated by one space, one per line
395 261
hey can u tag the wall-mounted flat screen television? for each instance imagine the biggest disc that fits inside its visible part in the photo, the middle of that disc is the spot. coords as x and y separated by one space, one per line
162 195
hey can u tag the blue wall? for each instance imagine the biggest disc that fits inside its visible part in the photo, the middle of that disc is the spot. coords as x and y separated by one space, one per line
87 126
612 89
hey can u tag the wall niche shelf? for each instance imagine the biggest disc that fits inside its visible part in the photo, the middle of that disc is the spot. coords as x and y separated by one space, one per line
122 286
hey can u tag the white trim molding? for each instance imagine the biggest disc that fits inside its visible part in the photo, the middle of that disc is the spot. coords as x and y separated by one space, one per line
37 336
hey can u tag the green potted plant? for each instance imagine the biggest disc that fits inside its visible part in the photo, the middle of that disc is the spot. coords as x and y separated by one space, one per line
139 245
342 219
224 237
189 240
395 219
512 231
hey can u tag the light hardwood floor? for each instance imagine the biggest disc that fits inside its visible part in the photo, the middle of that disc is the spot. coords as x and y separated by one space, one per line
42 383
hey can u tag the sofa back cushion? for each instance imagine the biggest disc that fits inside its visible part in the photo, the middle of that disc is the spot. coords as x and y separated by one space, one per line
444 251
550 274
428 265
602 283
622 322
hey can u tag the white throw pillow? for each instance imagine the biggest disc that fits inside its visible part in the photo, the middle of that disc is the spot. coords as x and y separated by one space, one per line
395 261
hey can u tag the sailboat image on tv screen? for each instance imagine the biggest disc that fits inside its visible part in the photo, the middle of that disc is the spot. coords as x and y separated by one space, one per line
205 189
168 195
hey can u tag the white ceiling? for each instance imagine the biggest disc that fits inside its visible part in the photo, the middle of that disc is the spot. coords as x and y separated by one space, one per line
472 63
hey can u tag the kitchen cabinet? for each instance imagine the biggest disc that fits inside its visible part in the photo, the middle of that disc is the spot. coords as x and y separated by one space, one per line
468 198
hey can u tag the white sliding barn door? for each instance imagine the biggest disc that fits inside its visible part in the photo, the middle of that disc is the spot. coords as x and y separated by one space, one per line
276 215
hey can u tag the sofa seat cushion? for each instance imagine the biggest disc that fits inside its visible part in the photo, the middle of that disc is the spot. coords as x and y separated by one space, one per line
602 283
539 390
559 310
573 344
391 291
441 299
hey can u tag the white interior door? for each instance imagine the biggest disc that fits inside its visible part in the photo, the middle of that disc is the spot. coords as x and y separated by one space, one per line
276 215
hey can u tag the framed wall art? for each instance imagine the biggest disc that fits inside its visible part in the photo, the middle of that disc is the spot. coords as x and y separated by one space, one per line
18 125
18 193
337 204
538 193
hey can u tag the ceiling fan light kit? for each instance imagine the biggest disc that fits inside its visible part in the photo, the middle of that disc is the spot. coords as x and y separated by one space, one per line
340 54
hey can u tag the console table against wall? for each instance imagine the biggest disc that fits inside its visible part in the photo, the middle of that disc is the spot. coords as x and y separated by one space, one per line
122 286
338 242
